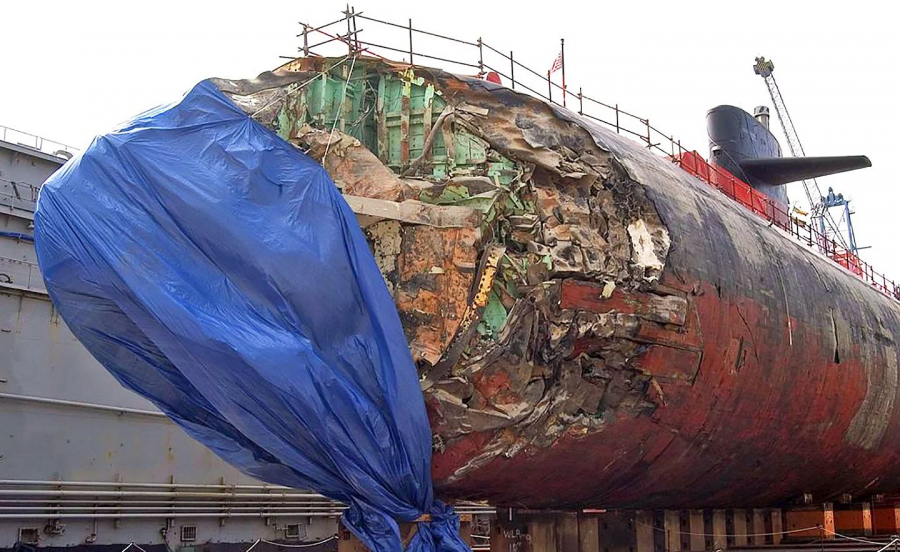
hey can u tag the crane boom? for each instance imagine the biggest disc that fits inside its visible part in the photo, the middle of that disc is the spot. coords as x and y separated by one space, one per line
818 211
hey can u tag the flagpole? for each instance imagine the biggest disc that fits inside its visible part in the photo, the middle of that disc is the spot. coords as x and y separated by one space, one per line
562 55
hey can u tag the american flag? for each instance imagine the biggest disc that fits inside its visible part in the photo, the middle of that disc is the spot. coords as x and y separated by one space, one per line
557 63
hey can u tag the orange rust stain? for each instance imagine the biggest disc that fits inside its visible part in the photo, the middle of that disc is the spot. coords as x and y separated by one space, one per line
436 269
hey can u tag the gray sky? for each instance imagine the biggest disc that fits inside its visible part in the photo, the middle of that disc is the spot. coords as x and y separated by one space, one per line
71 70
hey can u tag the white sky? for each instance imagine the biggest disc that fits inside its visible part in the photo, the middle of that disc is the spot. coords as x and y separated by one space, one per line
71 70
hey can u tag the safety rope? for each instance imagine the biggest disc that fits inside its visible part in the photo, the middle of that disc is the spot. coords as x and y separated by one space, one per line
848 537
729 534
130 544
304 545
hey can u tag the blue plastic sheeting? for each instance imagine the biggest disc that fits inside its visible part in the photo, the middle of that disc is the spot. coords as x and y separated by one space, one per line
216 270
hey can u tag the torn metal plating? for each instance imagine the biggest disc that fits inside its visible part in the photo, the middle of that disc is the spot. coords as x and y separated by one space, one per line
593 326
525 325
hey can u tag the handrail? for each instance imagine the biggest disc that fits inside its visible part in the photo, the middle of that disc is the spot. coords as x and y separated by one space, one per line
12 135
625 123
778 215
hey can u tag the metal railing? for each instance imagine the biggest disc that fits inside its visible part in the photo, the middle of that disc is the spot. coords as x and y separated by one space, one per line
777 214
484 59
34 499
521 77
36 142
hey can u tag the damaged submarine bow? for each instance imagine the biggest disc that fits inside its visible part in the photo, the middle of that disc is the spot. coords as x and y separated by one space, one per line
592 325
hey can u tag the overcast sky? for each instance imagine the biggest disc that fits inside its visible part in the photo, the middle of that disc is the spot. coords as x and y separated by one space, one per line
71 70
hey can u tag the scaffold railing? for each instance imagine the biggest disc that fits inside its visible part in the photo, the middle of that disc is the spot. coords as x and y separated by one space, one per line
344 36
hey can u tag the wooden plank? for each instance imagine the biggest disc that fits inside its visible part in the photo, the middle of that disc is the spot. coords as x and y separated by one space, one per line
696 530
759 527
588 533
819 517
778 526
415 212
719 533
567 532
643 530
543 534
500 538
617 532
885 519
740 528
672 526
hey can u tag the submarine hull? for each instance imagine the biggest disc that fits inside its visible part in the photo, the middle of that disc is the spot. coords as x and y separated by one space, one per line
610 331
786 384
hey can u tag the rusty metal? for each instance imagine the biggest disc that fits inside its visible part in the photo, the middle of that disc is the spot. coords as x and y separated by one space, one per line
484 283
429 141
325 26
340 38
411 62
349 29
305 39
406 51
480 57
356 32
644 339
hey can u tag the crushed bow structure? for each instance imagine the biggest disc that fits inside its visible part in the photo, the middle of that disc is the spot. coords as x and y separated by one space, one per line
592 325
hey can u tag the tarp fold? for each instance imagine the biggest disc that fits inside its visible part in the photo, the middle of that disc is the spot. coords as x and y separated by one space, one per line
216 270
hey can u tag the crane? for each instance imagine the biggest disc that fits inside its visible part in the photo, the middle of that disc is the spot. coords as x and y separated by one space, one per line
819 207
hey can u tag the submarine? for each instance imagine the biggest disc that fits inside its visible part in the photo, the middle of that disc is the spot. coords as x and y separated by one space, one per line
595 326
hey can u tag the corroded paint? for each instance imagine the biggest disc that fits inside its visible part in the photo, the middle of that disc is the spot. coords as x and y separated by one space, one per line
663 348
435 268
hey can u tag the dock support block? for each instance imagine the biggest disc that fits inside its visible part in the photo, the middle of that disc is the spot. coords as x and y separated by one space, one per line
818 520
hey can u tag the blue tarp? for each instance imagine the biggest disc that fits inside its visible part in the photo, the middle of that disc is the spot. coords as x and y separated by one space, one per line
216 270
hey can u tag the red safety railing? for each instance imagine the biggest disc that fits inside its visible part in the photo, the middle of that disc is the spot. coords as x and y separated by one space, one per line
777 214
344 32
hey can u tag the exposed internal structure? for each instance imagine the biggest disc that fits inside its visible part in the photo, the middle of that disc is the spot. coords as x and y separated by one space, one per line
520 213
593 326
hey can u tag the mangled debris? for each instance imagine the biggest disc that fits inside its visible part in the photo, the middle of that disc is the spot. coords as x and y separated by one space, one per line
523 260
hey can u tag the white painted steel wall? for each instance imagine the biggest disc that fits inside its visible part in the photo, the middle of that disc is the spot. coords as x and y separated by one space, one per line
50 432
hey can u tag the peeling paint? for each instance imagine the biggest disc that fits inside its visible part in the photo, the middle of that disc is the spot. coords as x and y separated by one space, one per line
650 351
871 421
645 250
